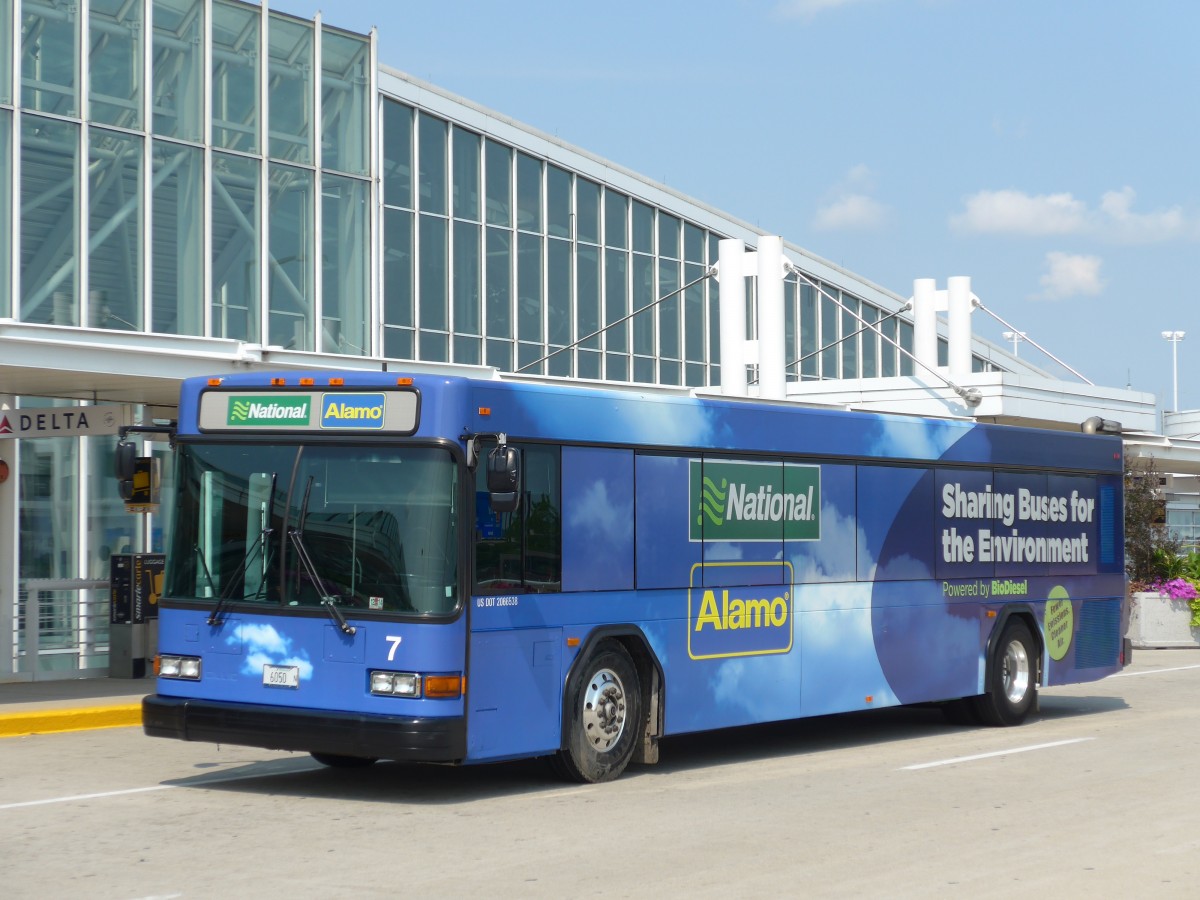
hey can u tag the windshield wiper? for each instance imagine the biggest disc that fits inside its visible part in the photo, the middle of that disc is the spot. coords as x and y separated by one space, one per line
214 617
296 535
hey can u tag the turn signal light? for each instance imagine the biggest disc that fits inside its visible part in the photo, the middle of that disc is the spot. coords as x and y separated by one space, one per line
443 687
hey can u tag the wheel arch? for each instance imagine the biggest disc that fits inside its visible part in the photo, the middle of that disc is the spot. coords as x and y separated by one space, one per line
1022 612
650 675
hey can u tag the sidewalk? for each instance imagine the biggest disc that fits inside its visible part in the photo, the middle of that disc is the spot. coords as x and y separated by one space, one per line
42 707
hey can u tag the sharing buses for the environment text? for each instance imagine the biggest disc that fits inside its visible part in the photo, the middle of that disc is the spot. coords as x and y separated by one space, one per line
445 569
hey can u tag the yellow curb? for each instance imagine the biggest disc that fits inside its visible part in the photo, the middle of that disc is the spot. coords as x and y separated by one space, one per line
49 721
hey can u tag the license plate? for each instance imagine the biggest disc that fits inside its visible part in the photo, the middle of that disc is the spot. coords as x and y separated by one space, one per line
281 676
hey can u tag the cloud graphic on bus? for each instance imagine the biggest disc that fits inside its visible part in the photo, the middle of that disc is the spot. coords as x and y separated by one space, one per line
264 645
599 517
914 439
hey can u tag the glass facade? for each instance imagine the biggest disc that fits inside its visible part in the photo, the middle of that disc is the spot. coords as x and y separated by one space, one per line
211 169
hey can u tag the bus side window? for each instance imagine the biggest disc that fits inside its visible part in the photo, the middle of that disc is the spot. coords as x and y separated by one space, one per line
521 551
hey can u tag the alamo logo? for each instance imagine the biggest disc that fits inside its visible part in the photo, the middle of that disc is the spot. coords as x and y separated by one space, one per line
352 411
277 411
742 619
744 501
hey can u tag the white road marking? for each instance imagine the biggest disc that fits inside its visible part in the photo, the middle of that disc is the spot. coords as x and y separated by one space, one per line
1154 671
197 783
962 759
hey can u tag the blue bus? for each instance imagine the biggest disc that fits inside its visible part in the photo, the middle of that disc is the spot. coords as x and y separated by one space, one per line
446 569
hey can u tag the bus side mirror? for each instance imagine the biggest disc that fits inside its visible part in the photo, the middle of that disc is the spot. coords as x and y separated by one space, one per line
504 478
124 464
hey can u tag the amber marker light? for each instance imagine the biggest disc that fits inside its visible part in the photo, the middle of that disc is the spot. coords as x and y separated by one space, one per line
443 687
336 382
307 382
991 614
278 382
572 642
485 410
404 382
215 382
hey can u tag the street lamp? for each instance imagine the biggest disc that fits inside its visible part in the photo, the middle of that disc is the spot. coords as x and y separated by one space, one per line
1016 337
1175 337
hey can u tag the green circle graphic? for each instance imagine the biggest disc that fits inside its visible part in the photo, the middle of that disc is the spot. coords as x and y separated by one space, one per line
1059 623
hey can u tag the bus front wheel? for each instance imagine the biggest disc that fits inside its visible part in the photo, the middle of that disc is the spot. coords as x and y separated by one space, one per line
1012 684
604 709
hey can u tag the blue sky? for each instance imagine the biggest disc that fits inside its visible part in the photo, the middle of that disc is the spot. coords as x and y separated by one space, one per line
1046 148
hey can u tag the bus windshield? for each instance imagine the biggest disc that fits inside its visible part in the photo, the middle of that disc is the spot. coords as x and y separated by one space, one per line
378 524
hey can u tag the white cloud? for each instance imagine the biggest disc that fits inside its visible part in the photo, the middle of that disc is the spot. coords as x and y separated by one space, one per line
806 9
851 205
1015 212
1070 275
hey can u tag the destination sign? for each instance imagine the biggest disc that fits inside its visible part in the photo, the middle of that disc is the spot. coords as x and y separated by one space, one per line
392 411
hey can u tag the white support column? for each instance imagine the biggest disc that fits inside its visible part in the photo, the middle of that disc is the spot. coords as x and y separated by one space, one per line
958 303
733 316
925 322
772 379
9 516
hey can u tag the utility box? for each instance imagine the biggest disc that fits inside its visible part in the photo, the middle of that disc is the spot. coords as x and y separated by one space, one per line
135 584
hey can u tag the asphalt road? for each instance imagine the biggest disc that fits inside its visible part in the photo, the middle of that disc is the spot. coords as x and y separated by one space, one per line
1096 796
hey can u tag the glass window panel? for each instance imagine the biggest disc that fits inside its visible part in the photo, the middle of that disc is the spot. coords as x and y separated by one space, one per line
560 363
466 175
616 367
6 168
345 101
887 348
693 314
468 350
398 268
397 154
693 243
906 343
850 325
809 334
643 227
500 355
714 318
668 236
49 74
668 312
529 193
435 346
178 68
433 276
468 317
6 51
558 202
48 534
643 299
292 245
829 332
588 297
498 272
235 76
616 299
498 161
398 343
115 62
529 287
643 369
49 204
176 294
616 230
290 90
114 230
558 293
870 343
236 196
695 375
943 352
431 157
587 203
790 344
670 372
529 359
589 364
345 285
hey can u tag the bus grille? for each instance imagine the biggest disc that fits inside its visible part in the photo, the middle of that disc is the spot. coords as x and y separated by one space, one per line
1098 641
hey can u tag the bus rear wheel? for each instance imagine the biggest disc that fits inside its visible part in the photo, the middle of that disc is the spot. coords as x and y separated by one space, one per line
337 761
604 710
1012 684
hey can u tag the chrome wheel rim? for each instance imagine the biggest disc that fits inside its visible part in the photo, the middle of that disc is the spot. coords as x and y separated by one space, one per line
604 710
1016 672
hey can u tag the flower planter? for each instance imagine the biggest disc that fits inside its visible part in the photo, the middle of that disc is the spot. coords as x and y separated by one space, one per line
1155 620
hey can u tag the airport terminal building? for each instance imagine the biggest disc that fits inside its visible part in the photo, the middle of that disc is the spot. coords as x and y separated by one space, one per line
193 187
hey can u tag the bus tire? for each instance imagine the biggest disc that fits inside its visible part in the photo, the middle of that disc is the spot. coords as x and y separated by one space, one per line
338 761
1012 681
604 717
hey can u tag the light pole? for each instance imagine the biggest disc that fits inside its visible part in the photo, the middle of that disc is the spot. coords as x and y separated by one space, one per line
1016 337
1175 337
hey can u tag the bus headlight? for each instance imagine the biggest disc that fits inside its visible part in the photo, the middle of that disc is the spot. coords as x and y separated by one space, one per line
185 667
396 684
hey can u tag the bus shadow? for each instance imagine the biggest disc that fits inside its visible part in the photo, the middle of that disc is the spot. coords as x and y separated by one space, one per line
431 785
